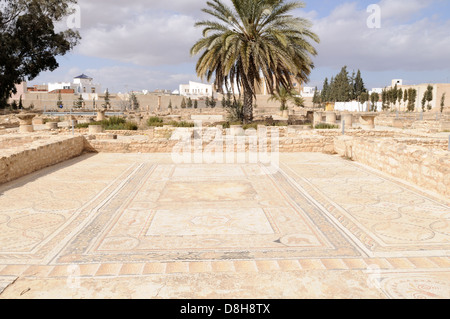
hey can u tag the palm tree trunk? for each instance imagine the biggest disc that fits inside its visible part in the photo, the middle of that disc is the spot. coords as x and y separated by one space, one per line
248 105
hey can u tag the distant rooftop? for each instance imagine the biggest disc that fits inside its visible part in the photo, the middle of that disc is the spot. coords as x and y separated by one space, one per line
83 76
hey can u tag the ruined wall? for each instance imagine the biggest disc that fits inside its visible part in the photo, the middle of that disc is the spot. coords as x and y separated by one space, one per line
427 166
22 158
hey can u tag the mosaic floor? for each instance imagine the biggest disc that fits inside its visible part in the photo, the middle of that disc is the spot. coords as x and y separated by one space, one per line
111 225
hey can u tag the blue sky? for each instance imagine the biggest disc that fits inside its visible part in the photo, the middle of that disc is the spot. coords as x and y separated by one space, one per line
145 44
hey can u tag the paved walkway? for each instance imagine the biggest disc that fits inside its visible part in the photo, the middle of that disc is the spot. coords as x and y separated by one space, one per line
140 226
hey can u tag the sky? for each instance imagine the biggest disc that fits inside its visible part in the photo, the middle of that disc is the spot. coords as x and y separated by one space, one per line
138 45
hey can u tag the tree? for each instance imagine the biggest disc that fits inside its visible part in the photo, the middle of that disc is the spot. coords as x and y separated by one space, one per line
394 95
353 95
224 102
252 40
170 107
429 96
400 97
195 104
20 103
107 100
442 102
358 86
316 97
59 103
28 41
331 95
325 91
283 96
207 102
341 87
183 103
78 103
134 102
212 101
405 96
384 99
412 96
364 97
189 103
374 98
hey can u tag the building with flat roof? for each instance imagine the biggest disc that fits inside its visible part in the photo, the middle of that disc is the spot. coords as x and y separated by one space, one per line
439 89
81 84
196 90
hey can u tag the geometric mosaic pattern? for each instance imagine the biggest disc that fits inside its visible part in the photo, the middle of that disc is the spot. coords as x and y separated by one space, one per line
106 213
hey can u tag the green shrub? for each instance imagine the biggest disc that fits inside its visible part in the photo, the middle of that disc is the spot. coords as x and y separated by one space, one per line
155 121
325 126
183 124
250 126
113 124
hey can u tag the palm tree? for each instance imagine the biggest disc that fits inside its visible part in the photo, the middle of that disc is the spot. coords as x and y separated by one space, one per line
254 39
283 96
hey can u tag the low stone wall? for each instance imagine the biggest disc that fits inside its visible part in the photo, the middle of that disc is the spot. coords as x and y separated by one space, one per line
235 144
426 167
20 161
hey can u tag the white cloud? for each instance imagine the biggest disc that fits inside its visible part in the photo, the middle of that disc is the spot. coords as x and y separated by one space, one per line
146 40
125 78
414 46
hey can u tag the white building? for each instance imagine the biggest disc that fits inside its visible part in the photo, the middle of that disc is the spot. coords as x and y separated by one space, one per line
308 91
376 90
195 89
82 84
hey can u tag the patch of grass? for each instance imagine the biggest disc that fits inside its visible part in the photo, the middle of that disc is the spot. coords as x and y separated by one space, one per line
113 124
251 126
325 126
181 124
155 121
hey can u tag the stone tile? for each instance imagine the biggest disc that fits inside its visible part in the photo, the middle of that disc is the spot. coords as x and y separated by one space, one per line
60 271
245 266
177 267
380 262
443 262
37 271
222 266
13 270
154 268
334 264
311 264
355 263
401 263
289 265
108 270
89 270
131 269
200 267
421 262
267 265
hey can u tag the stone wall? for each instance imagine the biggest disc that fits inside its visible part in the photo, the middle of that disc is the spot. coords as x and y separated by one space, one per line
21 160
312 143
427 167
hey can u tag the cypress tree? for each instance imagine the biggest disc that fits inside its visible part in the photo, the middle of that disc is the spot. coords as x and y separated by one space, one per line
412 95
325 91
316 97
359 86
429 96
400 96
342 86
442 102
